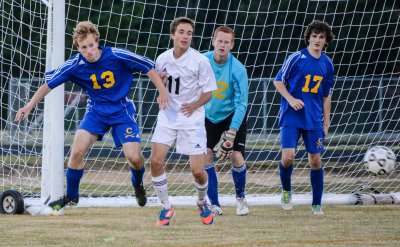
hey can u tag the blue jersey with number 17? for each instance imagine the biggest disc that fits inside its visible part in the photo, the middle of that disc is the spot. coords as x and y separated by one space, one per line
310 80
108 80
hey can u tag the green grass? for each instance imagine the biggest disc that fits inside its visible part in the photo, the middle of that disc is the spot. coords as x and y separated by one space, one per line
264 226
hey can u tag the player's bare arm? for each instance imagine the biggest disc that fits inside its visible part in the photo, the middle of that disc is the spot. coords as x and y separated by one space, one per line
163 98
188 108
164 76
24 112
296 104
327 102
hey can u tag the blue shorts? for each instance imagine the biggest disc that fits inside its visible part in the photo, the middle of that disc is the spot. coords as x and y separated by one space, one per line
119 117
313 139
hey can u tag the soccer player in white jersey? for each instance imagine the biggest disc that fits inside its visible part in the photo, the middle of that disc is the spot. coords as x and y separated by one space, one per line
305 82
226 123
106 75
190 82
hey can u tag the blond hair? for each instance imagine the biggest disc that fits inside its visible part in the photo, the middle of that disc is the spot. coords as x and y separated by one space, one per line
83 29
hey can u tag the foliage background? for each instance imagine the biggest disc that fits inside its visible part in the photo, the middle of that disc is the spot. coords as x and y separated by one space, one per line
366 44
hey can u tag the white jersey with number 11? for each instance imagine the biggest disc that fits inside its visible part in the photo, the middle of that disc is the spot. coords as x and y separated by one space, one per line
189 77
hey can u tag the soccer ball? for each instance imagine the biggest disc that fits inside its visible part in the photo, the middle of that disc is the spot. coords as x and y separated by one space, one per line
379 160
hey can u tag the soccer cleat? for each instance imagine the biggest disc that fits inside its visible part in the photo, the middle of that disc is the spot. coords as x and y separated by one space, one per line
140 194
286 200
206 214
317 210
241 206
216 210
62 202
165 216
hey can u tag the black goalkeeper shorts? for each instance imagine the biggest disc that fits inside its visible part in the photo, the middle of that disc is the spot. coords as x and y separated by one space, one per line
214 132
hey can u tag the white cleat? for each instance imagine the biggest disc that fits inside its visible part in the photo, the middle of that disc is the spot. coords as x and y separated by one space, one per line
241 207
317 210
216 210
286 200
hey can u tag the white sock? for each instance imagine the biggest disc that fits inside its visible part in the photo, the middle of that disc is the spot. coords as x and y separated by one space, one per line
160 185
201 190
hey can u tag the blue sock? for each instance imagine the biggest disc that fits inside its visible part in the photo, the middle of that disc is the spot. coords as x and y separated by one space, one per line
317 185
286 176
137 176
212 191
73 180
239 179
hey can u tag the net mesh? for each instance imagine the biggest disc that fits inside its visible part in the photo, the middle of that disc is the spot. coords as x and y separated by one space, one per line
365 105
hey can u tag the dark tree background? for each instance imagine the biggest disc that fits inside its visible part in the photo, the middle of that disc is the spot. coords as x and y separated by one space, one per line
366 44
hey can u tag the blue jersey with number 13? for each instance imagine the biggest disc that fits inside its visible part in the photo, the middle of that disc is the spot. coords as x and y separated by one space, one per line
107 80
310 80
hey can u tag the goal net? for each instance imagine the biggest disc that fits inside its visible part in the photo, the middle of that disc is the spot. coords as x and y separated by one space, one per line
365 107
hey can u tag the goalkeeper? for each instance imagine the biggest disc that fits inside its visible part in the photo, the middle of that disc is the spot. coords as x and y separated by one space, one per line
106 75
226 115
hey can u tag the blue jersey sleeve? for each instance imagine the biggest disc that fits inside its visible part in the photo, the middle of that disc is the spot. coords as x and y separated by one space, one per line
62 74
328 84
285 71
134 61
241 95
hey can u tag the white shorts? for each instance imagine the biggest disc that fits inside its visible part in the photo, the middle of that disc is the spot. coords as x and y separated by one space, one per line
189 142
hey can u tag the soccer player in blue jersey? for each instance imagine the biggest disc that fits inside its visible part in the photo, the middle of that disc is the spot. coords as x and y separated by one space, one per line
305 82
106 75
226 116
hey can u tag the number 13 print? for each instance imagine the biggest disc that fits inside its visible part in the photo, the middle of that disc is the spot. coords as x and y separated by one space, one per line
108 75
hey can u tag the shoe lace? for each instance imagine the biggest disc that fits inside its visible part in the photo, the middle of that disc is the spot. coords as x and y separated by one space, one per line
203 207
286 196
72 202
214 208
165 213
316 208
241 203
140 189
63 200
161 214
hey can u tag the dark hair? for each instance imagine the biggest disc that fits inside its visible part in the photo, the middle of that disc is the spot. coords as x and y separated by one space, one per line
317 26
178 21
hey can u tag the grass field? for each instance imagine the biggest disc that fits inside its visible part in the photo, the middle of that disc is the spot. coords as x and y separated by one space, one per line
376 225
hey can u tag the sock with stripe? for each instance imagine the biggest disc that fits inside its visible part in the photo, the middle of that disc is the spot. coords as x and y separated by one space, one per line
160 186
239 179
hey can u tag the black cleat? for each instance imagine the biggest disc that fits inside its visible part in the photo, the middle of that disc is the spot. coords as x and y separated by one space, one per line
140 193
62 202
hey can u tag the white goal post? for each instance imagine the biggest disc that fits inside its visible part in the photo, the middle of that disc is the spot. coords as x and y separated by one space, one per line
52 182
37 36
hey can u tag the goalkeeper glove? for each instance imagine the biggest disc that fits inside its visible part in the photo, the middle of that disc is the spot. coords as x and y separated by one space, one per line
224 147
